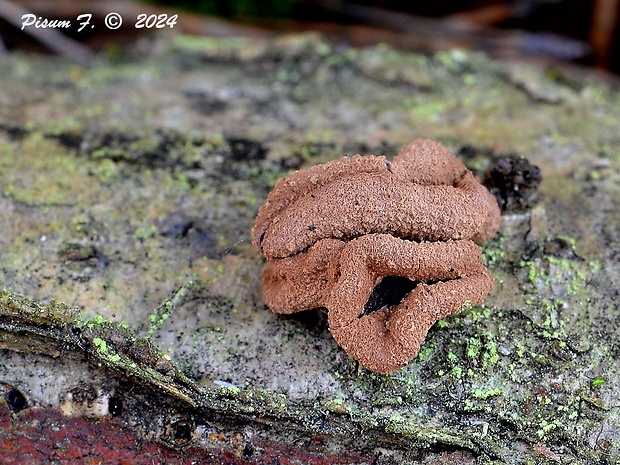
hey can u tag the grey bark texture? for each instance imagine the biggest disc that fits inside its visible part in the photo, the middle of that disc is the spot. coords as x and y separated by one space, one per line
132 185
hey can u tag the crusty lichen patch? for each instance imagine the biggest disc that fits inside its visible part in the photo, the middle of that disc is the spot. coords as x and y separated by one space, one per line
40 172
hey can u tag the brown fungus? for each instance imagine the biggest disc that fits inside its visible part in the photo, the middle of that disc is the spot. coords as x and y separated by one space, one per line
332 233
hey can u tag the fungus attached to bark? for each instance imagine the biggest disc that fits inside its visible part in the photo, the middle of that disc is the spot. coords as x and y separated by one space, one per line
386 246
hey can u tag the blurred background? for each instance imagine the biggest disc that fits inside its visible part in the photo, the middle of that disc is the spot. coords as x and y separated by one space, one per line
557 32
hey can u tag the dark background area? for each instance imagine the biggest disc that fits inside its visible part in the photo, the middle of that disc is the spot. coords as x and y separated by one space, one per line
558 32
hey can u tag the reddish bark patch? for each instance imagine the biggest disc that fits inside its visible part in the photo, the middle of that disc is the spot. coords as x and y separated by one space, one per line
38 436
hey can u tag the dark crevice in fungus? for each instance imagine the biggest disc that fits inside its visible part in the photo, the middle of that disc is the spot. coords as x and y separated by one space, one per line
388 293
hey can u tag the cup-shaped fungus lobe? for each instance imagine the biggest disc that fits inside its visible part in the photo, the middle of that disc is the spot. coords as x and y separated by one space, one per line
388 247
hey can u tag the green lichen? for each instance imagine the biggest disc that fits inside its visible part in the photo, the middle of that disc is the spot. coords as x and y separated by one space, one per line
230 390
548 270
207 46
55 178
457 372
425 352
453 60
106 171
396 423
493 251
165 310
408 428
143 233
465 306
473 348
104 351
96 320
477 314
17 307
427 108
386 64
337 406
490 355
532 270
159 318
574 271
485 393
546 427
56 128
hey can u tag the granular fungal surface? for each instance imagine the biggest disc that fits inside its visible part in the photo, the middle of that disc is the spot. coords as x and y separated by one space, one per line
331 233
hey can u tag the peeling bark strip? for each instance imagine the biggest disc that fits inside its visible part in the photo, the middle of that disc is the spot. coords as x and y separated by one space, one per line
331 233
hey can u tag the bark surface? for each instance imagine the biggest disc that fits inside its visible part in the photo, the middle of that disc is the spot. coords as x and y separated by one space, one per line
128 191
